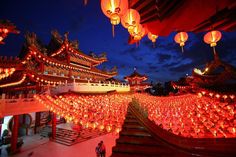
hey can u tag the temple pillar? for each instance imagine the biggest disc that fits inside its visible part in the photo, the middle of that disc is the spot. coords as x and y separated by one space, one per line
37 121
54 125
14 136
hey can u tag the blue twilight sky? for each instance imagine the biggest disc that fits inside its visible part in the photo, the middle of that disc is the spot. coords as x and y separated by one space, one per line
93 30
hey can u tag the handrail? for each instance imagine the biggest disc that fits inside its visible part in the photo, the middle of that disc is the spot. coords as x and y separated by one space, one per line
201 146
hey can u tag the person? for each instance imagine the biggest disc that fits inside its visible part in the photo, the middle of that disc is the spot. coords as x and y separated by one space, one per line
103 149
97 150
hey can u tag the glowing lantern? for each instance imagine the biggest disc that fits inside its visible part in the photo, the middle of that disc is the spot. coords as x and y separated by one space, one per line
138 32
181 38
130 19
152 37
212 38
114 9
85 2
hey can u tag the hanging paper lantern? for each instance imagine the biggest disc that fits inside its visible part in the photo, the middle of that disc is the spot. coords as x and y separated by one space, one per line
85 2
114 9
152 37
138 32
181 38
130 19
212 38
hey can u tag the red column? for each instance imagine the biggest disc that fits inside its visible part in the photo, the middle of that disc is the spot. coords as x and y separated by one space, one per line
14 135
54 125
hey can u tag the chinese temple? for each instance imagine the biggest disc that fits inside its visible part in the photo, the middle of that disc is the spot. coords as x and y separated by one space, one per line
136 81
60 65
53 96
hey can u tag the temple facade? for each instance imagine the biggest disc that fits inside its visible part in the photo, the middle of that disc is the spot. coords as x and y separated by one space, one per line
59 66
136 81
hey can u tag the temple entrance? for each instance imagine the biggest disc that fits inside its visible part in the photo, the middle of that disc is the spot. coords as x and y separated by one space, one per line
25 122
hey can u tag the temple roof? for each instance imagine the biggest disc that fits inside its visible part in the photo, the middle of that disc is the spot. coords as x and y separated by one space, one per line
135 74
59 45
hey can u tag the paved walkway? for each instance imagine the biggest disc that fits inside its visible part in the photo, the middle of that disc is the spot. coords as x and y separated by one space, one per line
35 146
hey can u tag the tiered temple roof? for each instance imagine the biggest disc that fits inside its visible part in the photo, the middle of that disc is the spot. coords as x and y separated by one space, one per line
56 63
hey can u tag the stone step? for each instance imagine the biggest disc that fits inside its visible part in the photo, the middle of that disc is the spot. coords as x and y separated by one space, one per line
138 141
139 133
142 149
66 143
133 126
130 121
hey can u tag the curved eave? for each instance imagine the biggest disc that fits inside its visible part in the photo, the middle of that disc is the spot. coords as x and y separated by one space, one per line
95 61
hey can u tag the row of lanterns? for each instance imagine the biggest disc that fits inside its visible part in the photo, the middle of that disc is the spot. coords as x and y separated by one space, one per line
190 115
117 10
6 72
14 83
103 112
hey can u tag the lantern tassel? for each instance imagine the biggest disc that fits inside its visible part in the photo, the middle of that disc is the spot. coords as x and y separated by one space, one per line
153 44
214 50
113 31
85 2
182 49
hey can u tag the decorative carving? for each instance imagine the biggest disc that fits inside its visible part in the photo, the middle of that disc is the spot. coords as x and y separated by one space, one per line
75 44
92 54
66 34
56 36
31 38
103 55
114 69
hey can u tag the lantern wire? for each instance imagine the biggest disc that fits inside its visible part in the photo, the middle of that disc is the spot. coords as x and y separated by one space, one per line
113 31
214 50
153 44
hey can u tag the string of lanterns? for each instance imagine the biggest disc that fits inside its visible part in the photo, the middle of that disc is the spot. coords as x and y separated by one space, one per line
191 116
14 83
117 10
6 72
103 112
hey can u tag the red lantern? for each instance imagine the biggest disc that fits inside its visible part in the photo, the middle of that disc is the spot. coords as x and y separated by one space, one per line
181 38
85 2
130 19
138 32
152 37
212 38
114 9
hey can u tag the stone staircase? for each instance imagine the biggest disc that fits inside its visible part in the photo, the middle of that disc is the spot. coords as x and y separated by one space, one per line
46 131
136 141
71 137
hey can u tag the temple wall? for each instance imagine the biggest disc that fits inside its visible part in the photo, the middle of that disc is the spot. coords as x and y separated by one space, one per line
19 106
91 88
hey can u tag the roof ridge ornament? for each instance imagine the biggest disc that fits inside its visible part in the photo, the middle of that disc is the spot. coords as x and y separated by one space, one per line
66 36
